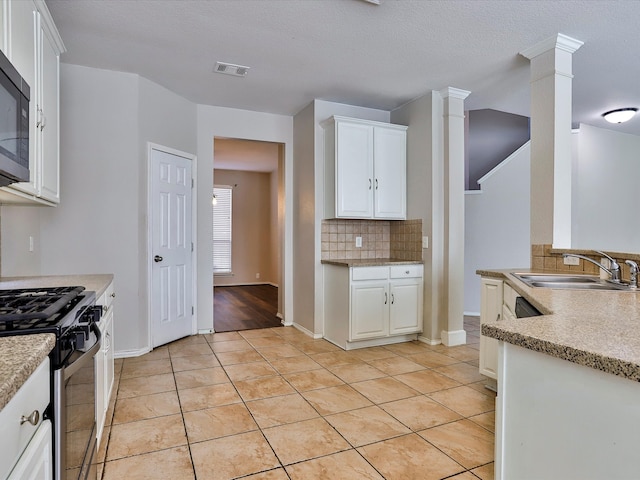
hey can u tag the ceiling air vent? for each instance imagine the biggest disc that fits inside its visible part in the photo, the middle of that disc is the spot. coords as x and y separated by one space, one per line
231 69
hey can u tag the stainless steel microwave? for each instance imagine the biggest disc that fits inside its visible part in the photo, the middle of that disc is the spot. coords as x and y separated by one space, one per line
14 124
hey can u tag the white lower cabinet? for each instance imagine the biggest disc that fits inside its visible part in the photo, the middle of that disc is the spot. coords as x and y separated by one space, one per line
104 360
366 306
26 441
491 304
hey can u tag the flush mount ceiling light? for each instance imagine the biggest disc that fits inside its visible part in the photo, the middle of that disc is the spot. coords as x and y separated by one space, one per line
231 69
620 115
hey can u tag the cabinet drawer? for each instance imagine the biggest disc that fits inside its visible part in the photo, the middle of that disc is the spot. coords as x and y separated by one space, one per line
369 273
406 271
32 395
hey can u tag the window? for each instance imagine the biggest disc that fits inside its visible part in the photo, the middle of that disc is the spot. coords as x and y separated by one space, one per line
222 230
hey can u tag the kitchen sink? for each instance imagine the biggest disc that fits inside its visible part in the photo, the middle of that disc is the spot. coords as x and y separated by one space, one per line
574 282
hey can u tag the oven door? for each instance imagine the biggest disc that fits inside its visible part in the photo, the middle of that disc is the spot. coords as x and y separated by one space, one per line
74 413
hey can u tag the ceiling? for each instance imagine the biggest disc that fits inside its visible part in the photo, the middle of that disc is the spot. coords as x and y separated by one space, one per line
354 52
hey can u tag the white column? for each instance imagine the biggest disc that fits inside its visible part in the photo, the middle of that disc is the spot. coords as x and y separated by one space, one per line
551 78
453 150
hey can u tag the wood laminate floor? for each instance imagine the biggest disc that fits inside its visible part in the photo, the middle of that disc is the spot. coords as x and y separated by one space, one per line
245 307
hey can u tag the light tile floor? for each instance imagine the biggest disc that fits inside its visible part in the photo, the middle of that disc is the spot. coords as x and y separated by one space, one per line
275 404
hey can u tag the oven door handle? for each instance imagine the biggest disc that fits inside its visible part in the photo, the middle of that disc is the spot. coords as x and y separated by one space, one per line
86 356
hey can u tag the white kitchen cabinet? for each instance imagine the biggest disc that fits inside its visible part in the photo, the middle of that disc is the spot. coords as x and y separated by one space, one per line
25 443
104 360
33 44
365 169
491 305
377 305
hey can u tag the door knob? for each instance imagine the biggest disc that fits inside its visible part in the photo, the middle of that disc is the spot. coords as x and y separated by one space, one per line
157 258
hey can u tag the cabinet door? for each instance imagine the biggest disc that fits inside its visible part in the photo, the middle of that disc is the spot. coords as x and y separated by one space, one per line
100 405
48 149
36 462
354 170
108 356
390 172
491 297
369 310
405 314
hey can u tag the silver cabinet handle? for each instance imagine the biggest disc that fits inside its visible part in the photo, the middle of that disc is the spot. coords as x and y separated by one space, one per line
369 184
498 317
385 298
33 419
376 183
393 299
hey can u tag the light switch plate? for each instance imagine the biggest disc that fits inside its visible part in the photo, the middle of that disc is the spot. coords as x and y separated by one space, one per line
425 242
358 242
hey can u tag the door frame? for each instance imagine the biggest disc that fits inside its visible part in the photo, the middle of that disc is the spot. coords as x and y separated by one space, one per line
149 244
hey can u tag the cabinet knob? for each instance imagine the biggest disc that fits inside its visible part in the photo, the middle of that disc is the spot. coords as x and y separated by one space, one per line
113 295
33 419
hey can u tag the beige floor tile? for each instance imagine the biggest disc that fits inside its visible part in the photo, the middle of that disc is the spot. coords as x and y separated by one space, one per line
190 340
409 457
190 349
267 342
395 365
201 377
431 359
481 387
264 387
134 387
366 425
174 463
426 381
333 359
208 397
313 380
462 372
485 472
408 348
270 412
246 371
277 474
222 337
348 465
315 347
421 412
292 332
144 368
465 400
486 420
463 353
232 457
218 422
102 448
278 352
231 346
467 443
356 372
386 389
304 440
146 406
146 436
155 354
243 356
463 476
301 363
373 353
259 332
194 362
336 399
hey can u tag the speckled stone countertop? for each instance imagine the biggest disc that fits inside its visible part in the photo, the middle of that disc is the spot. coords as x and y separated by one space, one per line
369 262
598 329
20 355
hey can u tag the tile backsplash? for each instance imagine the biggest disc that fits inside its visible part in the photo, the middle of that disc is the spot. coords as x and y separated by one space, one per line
398 239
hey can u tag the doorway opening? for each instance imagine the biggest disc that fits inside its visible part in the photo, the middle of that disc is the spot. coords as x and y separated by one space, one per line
248 272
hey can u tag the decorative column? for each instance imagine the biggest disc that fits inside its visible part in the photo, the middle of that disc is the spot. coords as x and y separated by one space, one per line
453 228
551 78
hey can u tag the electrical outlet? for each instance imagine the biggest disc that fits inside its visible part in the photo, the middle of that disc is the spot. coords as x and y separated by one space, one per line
31 243
425 242
358 242
257 276
571 261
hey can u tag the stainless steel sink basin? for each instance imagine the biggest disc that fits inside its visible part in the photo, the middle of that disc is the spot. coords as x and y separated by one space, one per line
564 281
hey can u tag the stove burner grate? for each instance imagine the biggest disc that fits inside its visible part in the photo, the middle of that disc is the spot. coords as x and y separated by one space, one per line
33 307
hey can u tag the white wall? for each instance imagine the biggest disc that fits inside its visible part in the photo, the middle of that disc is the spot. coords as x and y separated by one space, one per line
606 191
17 224
497 223
233 123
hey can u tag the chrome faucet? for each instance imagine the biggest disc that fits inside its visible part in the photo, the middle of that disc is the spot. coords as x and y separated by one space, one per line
633 273
613 270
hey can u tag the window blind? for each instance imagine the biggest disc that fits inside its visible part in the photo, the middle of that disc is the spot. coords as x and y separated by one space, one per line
222 229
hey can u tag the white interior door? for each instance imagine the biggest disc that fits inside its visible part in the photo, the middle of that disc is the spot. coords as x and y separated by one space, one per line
171 247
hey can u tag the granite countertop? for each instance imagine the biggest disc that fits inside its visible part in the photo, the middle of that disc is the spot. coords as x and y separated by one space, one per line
370 262
595 328
21 354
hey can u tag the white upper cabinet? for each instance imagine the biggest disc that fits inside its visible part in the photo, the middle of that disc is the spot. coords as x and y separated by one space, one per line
365 169
33 45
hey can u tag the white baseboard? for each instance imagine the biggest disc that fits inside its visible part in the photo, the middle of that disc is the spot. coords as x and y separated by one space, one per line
454 337
471 314
308 332
429 341
246 284
131 353
205 331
